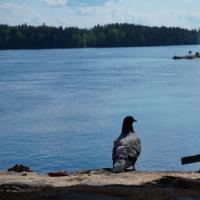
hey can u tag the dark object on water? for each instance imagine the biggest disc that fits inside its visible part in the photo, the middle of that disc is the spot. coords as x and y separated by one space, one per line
188 57
58 174
190 159
126 148
19 168
185 57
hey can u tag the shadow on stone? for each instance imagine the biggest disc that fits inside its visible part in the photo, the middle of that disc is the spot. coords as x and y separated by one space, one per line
177 182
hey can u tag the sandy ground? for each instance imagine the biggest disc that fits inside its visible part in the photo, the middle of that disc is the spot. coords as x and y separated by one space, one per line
101 184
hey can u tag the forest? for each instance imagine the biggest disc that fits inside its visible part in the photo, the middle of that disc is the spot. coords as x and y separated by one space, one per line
111 35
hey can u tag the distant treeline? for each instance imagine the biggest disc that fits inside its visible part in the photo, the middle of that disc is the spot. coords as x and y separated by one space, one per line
112 35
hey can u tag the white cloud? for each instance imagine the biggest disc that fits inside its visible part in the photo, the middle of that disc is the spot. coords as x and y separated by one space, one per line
118 11
55 2
11 13
187 1
111 11
184 18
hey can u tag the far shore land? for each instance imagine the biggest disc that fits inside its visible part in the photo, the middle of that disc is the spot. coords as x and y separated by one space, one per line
101 184
111 35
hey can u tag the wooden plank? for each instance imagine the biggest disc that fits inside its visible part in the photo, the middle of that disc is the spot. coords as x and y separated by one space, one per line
190 159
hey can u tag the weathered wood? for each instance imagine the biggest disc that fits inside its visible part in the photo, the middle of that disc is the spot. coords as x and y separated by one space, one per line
190 159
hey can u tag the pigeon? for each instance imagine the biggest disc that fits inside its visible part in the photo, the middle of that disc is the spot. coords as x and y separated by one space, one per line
127 147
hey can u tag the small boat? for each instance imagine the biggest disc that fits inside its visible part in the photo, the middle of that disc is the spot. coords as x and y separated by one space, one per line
189 57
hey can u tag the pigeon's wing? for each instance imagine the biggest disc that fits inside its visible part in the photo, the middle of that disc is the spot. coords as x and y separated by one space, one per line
114 151
133 146
119 151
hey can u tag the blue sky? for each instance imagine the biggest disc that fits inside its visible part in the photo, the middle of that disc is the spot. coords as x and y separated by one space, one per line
87 13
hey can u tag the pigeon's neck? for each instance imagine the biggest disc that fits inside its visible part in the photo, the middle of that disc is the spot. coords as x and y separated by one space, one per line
127 130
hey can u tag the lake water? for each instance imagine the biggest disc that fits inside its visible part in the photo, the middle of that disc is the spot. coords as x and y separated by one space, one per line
62 109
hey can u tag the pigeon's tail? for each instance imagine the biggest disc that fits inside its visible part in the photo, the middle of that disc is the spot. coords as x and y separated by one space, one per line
119 166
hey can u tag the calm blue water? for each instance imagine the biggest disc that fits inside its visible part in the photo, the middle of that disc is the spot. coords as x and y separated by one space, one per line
62 109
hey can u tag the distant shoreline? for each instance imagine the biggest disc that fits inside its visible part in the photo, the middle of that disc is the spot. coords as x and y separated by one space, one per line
98 47
107 36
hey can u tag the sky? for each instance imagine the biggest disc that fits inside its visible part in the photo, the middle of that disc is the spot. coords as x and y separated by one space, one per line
88 13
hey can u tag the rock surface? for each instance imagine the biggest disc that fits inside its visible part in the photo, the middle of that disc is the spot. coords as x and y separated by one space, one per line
101 184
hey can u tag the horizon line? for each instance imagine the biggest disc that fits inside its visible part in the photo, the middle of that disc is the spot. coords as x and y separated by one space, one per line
106 24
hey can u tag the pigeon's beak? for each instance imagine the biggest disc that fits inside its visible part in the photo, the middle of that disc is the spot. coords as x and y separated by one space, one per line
134 120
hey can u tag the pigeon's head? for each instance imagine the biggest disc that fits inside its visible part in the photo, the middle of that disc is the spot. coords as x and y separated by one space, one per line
128 124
